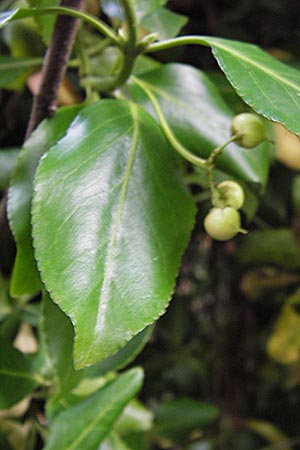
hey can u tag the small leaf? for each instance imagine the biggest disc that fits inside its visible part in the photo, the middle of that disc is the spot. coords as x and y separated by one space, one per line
113 442
58 335
267 85
25 278
17 377
164 22
175 419
276 247
110 235
12 68
200 119
269 432
93 418
135 418
45 23
113 8
284 343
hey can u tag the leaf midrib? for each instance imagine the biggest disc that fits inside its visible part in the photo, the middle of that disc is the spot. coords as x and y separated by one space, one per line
103 303
102 413
20 64
263 68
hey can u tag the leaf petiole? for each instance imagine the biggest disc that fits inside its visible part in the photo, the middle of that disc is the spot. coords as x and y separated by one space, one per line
184 152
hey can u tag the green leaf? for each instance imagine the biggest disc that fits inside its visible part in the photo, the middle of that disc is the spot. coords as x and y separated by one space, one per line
21 13
7 161
45 23
276 247
59 335
135 418
12 68
146 7
113 442
17 377
200 119
164 22
151 16
175 419
113 8
267 85
269 432
93 418
110 235
25 277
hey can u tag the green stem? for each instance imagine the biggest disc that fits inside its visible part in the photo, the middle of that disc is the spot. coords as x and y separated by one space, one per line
130 51
217 151
96 23
132 25
176 42
185 153
84 67
210 167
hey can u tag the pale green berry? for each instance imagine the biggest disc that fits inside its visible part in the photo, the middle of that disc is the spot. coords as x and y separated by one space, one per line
229 193
222 224
249 130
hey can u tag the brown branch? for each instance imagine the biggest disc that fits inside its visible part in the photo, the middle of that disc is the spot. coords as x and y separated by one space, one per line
44 106
54 67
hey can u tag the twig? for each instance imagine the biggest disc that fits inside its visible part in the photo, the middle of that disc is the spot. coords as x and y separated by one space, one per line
54 67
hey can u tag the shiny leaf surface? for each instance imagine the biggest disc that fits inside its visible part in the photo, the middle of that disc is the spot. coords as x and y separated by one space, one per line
110 235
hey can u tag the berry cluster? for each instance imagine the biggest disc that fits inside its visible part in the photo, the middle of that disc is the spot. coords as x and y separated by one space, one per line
223 221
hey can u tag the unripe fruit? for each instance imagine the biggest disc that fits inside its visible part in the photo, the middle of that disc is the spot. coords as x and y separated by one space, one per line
249 130
230 194
222 224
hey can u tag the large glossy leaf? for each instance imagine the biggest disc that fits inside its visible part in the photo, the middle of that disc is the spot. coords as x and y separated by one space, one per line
17 377
12 68
110 234
92 419
199 118
25 277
